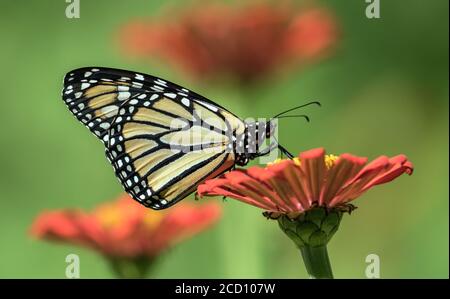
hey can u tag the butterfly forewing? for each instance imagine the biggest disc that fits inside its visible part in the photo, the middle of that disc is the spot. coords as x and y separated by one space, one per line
94 96
162 139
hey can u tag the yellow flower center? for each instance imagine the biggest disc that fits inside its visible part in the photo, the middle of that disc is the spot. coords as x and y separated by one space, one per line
112 215
329 161
277 160
109 216
153 218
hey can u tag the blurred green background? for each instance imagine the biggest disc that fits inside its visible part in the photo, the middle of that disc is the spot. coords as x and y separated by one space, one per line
384 91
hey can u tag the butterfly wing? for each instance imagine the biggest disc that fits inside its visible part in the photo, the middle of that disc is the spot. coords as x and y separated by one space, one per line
162 139
94 96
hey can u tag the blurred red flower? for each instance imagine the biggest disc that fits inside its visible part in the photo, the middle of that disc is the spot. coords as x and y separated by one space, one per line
291 187
125 229
247 42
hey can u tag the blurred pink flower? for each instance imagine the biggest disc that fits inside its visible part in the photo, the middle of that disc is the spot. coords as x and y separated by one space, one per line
248 42
124 228
126 233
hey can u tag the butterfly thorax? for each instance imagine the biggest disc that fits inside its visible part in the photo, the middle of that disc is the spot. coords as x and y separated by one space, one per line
247 145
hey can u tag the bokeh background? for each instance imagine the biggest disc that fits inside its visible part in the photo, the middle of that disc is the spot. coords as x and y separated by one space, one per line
384 90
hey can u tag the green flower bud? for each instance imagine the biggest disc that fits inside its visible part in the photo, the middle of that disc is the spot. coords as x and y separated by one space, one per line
313 228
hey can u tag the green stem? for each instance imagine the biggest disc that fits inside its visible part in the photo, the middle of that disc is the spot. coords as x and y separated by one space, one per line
316 261
130 268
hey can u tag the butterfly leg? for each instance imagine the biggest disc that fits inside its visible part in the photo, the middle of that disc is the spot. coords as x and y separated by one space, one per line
285 152
267 150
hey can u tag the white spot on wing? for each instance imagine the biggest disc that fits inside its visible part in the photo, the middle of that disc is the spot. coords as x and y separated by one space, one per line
185 101
157 88
137 85
104 125
170 95
161 82
209 106
123 95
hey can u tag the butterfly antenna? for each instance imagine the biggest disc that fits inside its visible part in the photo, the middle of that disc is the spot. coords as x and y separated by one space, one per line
298 107
302 115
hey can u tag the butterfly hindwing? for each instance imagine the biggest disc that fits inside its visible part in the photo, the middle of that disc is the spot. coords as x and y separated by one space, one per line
162 139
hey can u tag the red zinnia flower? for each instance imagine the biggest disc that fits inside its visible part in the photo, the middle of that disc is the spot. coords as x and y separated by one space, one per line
248 42
308 195
124 230
313 179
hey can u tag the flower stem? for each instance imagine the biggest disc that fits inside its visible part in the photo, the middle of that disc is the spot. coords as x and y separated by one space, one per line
130 268
316 261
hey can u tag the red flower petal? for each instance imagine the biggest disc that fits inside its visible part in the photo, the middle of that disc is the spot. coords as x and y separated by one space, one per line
314 170
397 166
343 170
294 176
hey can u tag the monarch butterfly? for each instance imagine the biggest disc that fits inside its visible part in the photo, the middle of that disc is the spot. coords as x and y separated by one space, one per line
154 132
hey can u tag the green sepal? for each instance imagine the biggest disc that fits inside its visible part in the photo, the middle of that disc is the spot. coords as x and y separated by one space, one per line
312 228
